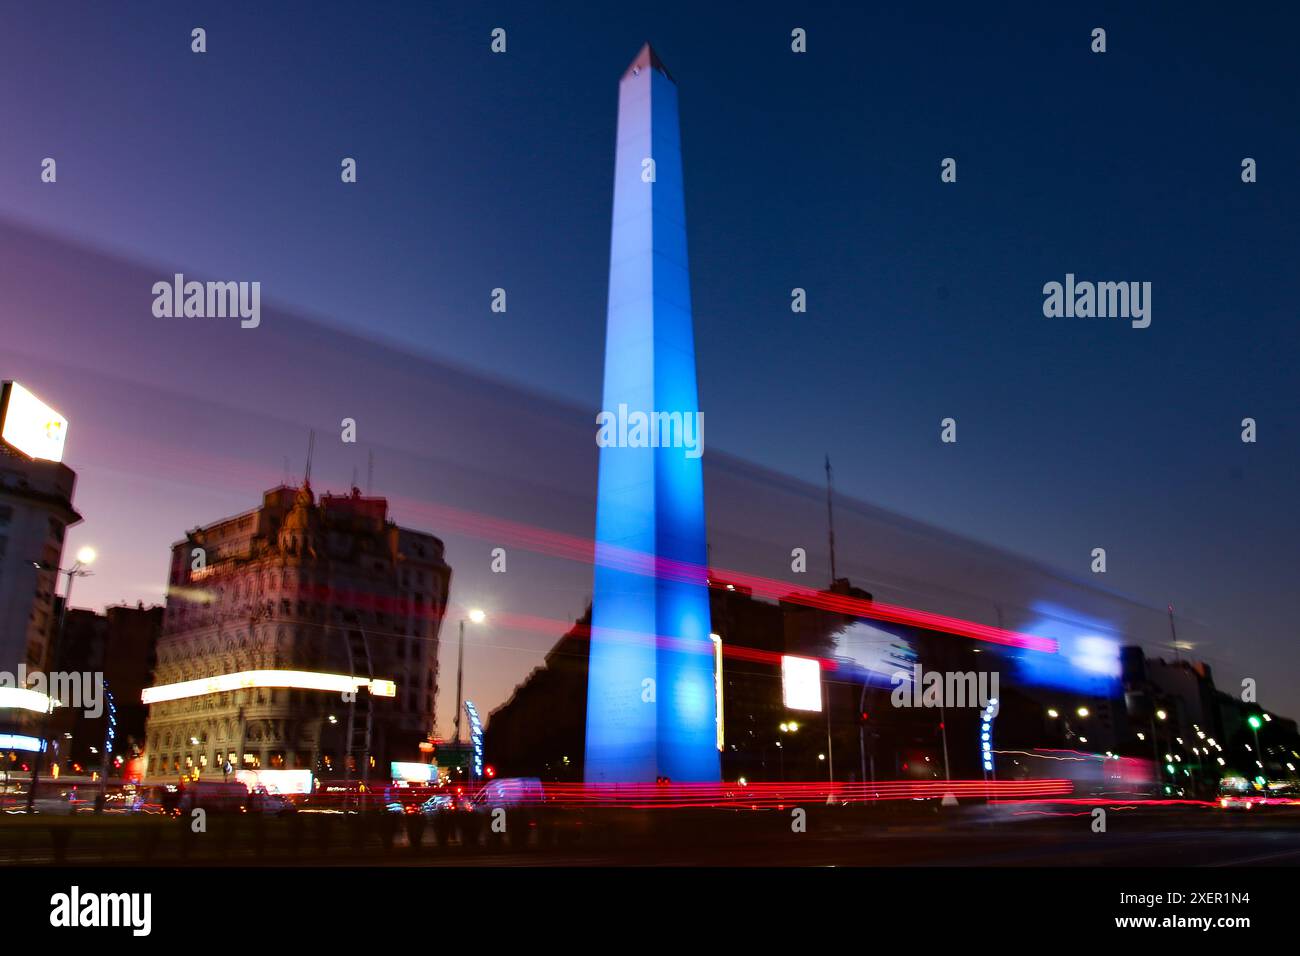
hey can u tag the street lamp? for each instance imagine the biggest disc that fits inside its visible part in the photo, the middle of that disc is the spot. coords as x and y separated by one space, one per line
1255 724
788 727
476 616
80 569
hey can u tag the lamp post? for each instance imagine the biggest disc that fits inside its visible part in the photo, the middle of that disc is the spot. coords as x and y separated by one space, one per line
788 727
476 616
1255 723
80 569
1155 745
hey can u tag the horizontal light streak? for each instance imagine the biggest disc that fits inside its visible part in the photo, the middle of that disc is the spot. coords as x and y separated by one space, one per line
20 698
20 742
572 547
646 796
244 680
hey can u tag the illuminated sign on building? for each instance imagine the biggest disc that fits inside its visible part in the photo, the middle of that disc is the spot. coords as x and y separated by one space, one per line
986 734
801 683
475 737
297 680
277 781
21 698
21 742
413 772
30 426
717 686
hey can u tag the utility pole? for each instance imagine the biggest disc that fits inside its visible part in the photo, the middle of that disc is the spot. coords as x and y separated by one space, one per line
943 732
1174 633
830 747
460 669
476 616
830 516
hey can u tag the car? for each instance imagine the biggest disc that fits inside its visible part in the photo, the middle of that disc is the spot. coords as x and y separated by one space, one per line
214 797
508 793
261 800
1237 801
439 803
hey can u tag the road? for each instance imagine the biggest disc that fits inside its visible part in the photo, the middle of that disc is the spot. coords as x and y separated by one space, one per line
975 837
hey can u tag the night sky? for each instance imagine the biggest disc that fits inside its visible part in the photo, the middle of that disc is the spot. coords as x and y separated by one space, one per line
819 171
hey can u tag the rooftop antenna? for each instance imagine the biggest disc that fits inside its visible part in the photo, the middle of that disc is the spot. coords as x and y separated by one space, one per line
370 472
287 479
830 515
354 476
311 448
1174 633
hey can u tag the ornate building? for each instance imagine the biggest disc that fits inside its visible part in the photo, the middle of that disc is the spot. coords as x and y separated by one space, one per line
321 592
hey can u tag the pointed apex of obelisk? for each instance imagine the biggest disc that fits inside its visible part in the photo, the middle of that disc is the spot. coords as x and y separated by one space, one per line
647 59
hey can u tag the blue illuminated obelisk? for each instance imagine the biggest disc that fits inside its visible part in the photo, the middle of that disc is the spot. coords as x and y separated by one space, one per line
650 697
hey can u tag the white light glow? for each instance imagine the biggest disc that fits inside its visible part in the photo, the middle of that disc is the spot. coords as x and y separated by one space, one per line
717 685
297 680
20 698
277 781
32 427
801 683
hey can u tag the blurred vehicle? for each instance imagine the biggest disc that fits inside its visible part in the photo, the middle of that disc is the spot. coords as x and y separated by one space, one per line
1237 801
442 802
1237 793
153 799
406 799
509 793
214 797
262 800
54 799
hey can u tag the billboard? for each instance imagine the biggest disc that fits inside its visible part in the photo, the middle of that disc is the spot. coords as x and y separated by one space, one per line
29 426
801 683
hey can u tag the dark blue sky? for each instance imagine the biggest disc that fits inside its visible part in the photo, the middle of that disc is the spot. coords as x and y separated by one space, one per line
819 171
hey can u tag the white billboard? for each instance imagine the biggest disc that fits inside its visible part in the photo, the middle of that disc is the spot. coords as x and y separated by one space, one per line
801 682
30 426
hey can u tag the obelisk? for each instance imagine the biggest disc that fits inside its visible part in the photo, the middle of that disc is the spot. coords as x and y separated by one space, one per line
650 700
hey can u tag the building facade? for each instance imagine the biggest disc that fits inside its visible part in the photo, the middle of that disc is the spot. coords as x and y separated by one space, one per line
35 512
118 649
310 587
